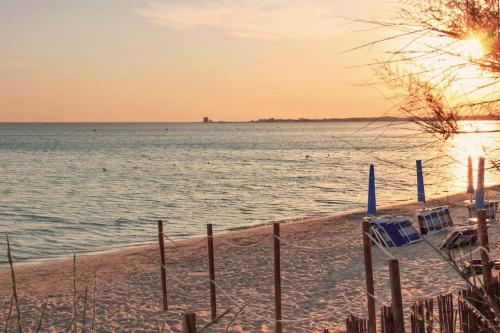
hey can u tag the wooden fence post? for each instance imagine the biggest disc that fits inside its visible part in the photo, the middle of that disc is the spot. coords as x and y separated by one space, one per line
163 265
211 271
370 289
189 322
482 231
397 299
277 277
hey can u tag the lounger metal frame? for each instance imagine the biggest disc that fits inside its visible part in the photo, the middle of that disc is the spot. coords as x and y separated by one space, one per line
434 220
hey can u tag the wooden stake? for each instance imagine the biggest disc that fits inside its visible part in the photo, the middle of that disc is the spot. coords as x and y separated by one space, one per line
211 271
370 289
482 232
397 299
189 323
277 277
163 265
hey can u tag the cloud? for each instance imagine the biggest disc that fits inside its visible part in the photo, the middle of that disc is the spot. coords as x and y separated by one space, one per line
248 18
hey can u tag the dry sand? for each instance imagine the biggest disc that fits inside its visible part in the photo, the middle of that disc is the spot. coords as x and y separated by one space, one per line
324 286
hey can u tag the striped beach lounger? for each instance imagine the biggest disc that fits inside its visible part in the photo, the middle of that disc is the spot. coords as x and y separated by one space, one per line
394 231
434 220
458 237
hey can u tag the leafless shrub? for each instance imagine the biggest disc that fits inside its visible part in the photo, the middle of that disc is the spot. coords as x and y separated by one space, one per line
446 65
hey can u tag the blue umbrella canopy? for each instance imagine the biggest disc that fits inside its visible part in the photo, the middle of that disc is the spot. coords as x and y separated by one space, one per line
372 200
420 182
480 185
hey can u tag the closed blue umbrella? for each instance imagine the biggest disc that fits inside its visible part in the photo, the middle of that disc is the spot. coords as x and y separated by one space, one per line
480 185
470 180
372 201
420 182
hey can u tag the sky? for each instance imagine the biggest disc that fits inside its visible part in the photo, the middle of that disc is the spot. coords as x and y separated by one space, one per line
180 60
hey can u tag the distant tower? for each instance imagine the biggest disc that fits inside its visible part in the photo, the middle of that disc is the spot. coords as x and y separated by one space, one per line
206 120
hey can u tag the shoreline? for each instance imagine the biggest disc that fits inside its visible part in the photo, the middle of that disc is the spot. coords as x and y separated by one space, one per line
194 238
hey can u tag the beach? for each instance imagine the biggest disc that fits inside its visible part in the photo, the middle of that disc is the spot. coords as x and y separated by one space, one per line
239 166
322 278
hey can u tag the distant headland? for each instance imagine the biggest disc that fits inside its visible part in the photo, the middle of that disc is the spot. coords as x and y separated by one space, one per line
351 119
367 119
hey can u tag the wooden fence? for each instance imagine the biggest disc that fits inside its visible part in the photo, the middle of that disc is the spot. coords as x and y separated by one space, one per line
473 312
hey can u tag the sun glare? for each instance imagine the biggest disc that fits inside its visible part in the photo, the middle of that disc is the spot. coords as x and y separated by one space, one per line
471 48
460 61
477 135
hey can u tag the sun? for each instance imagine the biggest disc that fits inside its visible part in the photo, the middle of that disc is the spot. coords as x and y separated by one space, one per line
471 47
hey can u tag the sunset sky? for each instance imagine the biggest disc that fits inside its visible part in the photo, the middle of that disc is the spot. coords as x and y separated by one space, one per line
179 60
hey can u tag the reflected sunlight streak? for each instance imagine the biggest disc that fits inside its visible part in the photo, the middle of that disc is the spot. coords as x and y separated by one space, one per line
472 144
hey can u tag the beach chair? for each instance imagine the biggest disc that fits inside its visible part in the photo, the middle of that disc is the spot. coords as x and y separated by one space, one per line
394 231
491 207
461 236
434 220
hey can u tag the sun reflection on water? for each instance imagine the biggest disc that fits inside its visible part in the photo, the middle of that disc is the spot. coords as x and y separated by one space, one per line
478 141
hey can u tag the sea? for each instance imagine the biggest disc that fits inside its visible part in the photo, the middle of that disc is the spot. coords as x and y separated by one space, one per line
76 188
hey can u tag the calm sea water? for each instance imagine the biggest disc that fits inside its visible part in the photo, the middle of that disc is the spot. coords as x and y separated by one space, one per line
85 187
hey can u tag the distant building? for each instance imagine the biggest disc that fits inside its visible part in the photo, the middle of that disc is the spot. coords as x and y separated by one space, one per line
206 120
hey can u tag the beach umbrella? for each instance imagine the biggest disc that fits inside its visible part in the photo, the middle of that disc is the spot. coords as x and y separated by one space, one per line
470 180
420 182
480 185
372 201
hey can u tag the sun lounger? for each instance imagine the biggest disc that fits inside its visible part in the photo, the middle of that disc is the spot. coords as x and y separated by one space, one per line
394 231
434 220
458 237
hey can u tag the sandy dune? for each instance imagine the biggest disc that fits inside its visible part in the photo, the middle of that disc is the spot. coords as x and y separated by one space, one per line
320 288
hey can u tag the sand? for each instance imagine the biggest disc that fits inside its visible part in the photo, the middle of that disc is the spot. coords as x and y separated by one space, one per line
320 288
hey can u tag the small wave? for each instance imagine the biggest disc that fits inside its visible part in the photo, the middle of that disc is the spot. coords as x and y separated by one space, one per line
122 221
333 202
143 219
33 217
